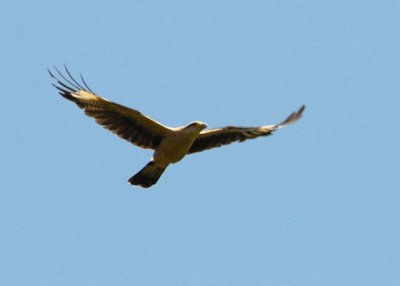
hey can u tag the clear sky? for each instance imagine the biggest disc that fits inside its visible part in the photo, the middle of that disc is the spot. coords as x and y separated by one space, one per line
317 203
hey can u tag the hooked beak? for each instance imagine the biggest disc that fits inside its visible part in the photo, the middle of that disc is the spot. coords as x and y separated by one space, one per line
204 126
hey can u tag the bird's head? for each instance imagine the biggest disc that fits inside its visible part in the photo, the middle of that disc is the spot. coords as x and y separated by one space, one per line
196 126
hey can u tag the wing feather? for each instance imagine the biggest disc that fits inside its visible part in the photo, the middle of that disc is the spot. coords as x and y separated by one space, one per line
226 135
127 123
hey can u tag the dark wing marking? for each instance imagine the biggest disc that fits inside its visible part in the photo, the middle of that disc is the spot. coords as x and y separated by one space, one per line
226 135
127 123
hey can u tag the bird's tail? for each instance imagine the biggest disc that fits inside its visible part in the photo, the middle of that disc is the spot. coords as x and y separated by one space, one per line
148 176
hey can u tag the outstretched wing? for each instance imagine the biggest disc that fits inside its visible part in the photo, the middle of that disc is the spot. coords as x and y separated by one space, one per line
226 135
127 123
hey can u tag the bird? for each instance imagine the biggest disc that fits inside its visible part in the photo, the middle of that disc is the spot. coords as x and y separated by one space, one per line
170 145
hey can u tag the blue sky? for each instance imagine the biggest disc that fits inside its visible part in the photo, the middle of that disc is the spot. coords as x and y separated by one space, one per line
317 203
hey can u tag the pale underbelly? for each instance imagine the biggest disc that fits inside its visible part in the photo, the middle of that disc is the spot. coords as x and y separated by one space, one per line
172 151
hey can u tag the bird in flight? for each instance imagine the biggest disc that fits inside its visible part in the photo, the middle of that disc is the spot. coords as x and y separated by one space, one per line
170 145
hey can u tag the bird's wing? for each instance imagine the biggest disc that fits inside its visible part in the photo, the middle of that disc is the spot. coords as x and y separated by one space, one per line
226 135
127 123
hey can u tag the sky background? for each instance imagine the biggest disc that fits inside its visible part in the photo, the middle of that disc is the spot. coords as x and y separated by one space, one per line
317 203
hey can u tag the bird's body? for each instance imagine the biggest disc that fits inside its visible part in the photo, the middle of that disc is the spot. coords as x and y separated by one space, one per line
177 144
170 144
172 149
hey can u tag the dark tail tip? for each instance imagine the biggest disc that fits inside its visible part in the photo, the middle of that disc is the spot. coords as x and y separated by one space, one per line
143 181
147 177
